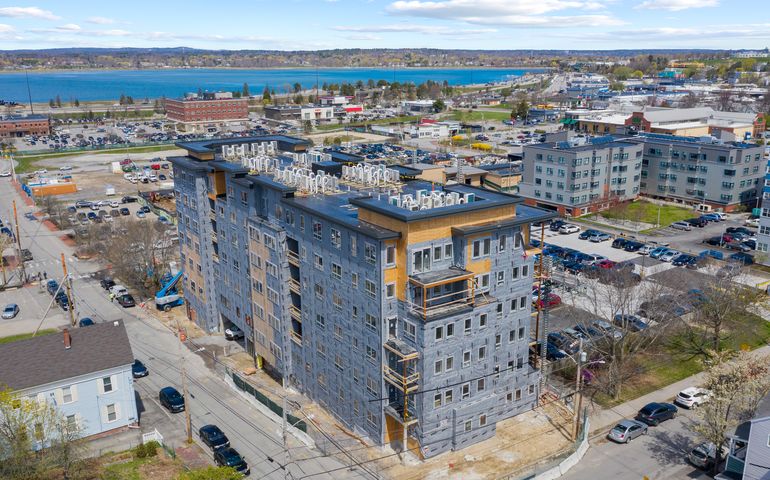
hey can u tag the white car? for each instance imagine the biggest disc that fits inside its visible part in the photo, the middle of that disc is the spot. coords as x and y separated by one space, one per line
114 204
569 228
233 333
645 250
691 397
669 256
5 174
118 290
681 226
752 222
128 176
65 168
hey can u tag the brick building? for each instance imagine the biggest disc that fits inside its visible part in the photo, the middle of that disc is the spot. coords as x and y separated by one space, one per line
21 126
211 109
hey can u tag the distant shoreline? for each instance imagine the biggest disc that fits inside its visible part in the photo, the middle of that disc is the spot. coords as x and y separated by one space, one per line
164 69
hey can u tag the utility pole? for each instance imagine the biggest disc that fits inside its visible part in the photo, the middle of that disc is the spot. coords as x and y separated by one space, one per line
578 399
23 276
68 285
187 420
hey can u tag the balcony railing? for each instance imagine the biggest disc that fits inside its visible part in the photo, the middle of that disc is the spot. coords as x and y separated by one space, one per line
398 380
294 286
293 258
295 313
296 338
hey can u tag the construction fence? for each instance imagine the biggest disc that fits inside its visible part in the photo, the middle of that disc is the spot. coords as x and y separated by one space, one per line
263 399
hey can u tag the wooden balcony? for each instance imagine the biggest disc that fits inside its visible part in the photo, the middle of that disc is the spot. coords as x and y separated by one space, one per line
294 286
293 258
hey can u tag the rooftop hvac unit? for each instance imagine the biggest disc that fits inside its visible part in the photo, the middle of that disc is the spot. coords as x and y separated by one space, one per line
470 197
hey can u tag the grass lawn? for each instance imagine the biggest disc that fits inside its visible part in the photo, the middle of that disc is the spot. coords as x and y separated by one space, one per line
143 468
475 115
381 121
22 336
26 163
664 369
648 213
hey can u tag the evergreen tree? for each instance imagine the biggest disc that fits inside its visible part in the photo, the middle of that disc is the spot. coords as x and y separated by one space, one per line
245 92
76 103
266 94
51 103
58 101
297 87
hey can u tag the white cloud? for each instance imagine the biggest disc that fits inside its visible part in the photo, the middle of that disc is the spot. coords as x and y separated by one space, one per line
6 28
69 27
676 5
459 9
367 37
27 12
514 13
412 28
100 20
682 36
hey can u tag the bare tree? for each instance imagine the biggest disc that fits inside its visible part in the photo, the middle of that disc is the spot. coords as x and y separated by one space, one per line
719 307
36 440
737 386
613 297
724 100
140 252
690 100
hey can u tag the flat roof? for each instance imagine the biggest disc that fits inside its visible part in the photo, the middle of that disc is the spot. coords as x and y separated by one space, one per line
16 118
484 199
212 145
525 214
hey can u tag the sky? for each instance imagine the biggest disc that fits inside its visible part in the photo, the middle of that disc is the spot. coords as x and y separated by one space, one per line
329 24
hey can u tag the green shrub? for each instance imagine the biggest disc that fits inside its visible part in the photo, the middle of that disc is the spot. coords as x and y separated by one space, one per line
144 450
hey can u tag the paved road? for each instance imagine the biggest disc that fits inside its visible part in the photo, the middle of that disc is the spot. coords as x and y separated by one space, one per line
253 434
658 455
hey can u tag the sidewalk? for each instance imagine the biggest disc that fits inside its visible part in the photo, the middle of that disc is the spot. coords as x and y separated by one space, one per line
601 420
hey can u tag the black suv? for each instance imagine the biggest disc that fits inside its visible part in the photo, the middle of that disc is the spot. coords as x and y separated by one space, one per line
697 222
654 413
229 457
619 242
170 398
556 225
107 283
212 436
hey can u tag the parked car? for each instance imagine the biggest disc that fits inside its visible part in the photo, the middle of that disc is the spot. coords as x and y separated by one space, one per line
712 217
85 322
704 455
10 311
715 241
645 249
63 301
655 413
588 331
171 399
229 457
586 234
124 211
633 246
140 214
556 225
669 255
619 242
233 333
607 329
82 204
551 300
697 222
118 290
128 199
681 226
630 322
692 397
682 260
744 258
52 286
627 430
26 255
563 342
213 437
739 230
606 263
599 237
145 209
126 301
568 228
752 222
139 370
107 283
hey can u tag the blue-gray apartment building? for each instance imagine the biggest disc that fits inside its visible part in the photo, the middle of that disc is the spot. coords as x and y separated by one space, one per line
402 308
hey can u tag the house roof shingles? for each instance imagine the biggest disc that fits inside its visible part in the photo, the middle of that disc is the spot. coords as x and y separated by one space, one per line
43 360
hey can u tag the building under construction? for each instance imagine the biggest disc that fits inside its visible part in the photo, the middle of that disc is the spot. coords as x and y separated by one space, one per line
403 308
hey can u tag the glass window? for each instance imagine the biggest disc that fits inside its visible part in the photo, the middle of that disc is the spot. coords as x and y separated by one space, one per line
112 413
107 384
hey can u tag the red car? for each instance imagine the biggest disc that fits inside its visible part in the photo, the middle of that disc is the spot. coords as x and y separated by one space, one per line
606 263
727 238
155 166
551 300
